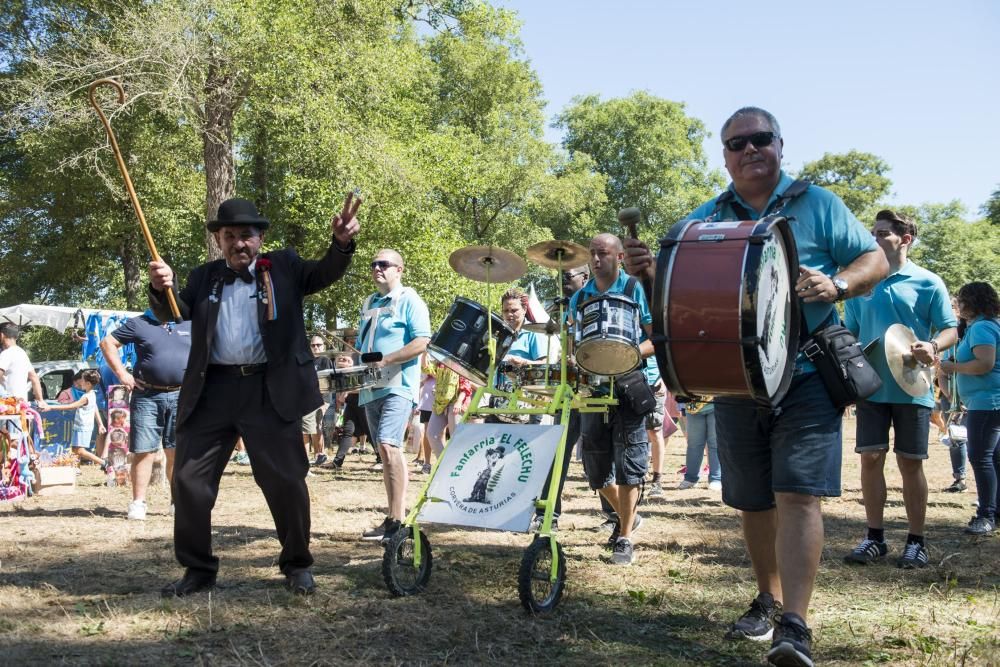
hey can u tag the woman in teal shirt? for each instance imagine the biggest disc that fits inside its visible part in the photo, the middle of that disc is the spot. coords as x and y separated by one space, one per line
977 366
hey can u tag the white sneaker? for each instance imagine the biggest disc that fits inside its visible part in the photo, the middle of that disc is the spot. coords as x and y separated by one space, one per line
685 484
137 510
715 486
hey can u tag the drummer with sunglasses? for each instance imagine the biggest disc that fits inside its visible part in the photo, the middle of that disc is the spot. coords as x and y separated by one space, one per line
777 463
395 323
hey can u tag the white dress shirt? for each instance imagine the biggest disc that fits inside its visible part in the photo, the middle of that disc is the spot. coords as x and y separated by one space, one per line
237 338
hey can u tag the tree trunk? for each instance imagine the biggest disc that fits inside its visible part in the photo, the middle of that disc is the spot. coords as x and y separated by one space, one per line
132 256
217 139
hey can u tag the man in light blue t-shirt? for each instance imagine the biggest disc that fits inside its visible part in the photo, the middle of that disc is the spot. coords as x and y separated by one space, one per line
394 322
913 296
777 463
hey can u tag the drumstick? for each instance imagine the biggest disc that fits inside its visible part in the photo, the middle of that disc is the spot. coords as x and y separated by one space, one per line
629 218
327 334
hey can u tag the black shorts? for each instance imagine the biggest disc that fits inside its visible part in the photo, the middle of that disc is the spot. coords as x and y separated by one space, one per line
356 414
911 425
425 416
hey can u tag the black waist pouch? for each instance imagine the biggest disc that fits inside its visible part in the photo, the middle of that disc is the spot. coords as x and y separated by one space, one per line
633 391
840 361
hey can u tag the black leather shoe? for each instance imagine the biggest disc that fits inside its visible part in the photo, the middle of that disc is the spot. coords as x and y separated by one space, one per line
301 583
191 582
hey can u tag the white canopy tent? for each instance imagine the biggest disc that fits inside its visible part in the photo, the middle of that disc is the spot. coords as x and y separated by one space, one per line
58 317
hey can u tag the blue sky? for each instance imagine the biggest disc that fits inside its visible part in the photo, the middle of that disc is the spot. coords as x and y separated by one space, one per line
916 83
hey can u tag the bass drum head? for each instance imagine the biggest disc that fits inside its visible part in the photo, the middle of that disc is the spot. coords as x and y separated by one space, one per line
774 319
607 356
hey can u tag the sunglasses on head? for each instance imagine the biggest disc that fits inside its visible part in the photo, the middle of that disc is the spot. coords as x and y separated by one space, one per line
382 264
758 139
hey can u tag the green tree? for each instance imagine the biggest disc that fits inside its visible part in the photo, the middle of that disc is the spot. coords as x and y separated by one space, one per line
649 150
858 178
957 250
991 209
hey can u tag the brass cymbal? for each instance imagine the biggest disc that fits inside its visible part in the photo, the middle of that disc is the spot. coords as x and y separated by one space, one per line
487 264
549 254
912 376
550 328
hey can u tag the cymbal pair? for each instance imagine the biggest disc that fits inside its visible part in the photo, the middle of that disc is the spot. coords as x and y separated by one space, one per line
489 264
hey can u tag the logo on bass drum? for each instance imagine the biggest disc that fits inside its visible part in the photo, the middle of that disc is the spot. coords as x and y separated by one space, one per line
458 325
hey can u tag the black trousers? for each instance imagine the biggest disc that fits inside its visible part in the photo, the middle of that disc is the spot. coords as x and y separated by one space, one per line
231 407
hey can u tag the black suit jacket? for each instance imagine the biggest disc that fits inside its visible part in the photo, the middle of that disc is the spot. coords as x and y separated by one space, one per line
291 379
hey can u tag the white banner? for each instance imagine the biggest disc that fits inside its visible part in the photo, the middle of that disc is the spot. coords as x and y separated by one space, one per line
490 476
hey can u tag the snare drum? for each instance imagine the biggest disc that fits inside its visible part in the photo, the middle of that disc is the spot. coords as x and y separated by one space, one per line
609 330
533 378
461 342
725 318
351 378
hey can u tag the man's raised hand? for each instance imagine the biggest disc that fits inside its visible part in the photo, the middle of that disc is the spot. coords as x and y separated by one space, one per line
345 225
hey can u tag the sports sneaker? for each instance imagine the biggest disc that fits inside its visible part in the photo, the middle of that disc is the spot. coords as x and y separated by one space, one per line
980 525
686 484
958 486
756 624
536 523
867 551
377 467
914 557
376 533
622 553
792 643
715 486
616 532
391 528
137 510
608 526
320 460
242 458
655 490
426 469
338 462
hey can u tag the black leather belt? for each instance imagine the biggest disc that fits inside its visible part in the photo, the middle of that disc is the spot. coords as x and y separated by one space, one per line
156 387
238 370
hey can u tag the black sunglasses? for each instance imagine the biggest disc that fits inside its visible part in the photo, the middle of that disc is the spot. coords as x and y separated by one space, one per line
758 139
570 276
381 264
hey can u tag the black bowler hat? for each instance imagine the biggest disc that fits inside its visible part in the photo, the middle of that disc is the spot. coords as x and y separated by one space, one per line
236 211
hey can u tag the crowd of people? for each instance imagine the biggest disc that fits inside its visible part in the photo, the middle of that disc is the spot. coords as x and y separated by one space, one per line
240 368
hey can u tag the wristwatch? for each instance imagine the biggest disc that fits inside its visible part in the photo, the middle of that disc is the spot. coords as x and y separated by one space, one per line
841 286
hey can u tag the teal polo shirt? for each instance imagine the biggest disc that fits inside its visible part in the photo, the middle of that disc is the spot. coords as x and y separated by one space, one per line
406 317
527 345
827 236
979 392
912 296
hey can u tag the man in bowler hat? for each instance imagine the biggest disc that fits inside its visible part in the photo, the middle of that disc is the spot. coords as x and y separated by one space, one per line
250 374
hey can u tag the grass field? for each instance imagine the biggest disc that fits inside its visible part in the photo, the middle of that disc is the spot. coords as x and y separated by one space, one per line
79 584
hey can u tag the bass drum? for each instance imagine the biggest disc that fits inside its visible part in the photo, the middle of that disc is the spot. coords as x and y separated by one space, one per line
725 316
461 342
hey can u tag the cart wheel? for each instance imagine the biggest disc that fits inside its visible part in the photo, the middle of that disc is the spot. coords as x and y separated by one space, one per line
539 594
401 576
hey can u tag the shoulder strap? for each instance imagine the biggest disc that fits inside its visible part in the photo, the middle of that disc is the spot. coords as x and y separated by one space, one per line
728 198
630 286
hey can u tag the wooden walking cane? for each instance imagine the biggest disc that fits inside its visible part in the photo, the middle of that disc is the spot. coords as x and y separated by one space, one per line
128 181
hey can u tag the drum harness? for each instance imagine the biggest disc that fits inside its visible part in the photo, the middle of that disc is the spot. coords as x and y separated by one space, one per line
371 316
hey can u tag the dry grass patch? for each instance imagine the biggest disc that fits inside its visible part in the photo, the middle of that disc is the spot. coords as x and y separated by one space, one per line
79 585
